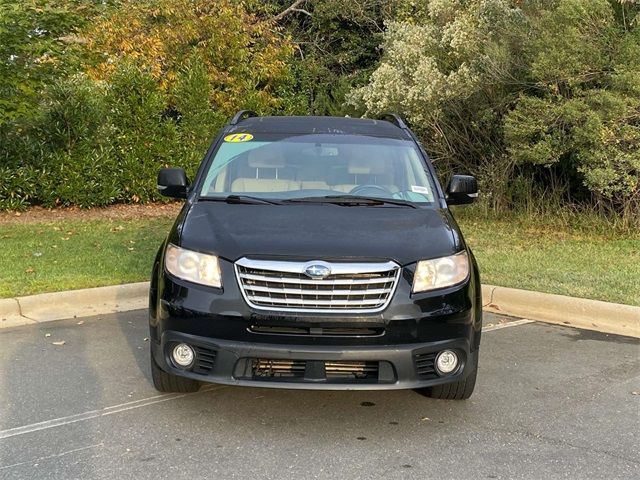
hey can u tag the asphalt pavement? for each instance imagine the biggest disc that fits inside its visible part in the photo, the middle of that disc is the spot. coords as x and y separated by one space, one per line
551 402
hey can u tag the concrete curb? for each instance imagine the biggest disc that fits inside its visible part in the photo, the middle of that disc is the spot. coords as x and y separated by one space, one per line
567 311
10 315
46 307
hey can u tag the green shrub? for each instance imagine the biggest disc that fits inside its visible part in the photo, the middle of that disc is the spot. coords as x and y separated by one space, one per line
583 116
144 138
73 133
19 186
526 95
196 121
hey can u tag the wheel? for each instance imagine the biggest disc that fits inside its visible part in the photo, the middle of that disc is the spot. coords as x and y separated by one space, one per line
460 390
166 382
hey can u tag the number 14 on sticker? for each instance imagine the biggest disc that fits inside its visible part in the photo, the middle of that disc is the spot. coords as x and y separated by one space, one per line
238 137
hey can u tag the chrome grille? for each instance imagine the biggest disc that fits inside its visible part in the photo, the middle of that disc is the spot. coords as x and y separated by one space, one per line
350 287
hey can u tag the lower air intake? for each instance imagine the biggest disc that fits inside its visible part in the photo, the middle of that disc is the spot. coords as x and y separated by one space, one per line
425 364
205 360
315 370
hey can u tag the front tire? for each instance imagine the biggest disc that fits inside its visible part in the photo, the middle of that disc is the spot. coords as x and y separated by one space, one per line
169 383
460 390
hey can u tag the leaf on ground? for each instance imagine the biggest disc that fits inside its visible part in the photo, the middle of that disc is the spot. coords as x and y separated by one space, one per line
119 228
425 419
635 393
59 343
29 270
81 322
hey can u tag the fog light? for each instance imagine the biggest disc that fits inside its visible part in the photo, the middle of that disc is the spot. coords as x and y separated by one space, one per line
183 355
446 362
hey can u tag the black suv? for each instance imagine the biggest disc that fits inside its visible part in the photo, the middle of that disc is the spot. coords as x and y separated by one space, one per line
316 253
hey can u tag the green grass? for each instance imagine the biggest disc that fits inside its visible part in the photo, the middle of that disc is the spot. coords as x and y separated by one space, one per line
65 255
514 251
588 261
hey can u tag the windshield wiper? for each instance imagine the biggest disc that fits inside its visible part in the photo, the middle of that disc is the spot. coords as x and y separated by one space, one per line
351 200
242 199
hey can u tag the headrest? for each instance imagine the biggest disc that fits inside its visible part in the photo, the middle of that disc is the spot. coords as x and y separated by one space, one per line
266 158
362 165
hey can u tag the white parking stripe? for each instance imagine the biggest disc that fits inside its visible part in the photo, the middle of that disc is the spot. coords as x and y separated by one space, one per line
79 417
49 457
498 326
123 407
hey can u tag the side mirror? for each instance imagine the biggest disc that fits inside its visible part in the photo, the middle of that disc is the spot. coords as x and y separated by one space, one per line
172 182
462 189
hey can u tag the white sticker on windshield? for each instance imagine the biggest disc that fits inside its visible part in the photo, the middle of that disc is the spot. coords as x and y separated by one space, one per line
419 189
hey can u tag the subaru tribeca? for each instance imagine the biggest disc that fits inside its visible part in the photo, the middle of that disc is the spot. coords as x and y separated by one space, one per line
316 253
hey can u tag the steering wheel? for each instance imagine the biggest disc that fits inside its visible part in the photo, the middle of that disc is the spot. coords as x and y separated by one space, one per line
363 188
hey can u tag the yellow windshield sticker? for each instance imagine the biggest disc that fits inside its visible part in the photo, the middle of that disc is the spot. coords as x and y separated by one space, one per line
238 137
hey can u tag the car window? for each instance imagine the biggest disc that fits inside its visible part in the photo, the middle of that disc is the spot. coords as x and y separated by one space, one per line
284 167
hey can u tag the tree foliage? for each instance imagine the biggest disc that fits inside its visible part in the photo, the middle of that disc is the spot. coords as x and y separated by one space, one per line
244 58
514 93
336 48
584 110
164 76
96 95
454 74
37 45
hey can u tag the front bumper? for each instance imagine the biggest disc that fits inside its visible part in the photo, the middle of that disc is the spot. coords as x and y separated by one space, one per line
233 336
314 367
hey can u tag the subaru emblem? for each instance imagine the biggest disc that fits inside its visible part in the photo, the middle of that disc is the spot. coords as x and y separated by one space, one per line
317 270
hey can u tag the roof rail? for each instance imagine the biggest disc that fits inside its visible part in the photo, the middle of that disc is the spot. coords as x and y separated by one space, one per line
241 115
395 119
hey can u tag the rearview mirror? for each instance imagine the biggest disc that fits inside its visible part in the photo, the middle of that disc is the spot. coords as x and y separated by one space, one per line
462 189
172 182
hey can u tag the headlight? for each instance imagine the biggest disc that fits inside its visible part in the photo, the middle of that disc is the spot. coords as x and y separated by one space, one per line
193 266
441 272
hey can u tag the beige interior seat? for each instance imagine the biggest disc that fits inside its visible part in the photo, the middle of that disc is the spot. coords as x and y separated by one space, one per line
314 185
362 171
312 176
267 164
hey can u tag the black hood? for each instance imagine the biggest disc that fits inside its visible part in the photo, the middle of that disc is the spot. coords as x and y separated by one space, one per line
319 232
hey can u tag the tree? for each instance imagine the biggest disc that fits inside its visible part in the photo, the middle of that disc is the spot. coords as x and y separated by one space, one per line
454 71
583 115
336 48
245 58
37 45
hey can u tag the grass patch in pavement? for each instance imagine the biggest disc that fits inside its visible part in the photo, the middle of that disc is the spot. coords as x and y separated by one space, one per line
513 251
71 254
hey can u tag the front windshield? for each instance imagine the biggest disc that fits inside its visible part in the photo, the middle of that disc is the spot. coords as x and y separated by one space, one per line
283 167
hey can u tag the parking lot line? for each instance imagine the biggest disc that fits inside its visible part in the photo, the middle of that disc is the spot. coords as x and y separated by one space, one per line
80 417
49 457
514 323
